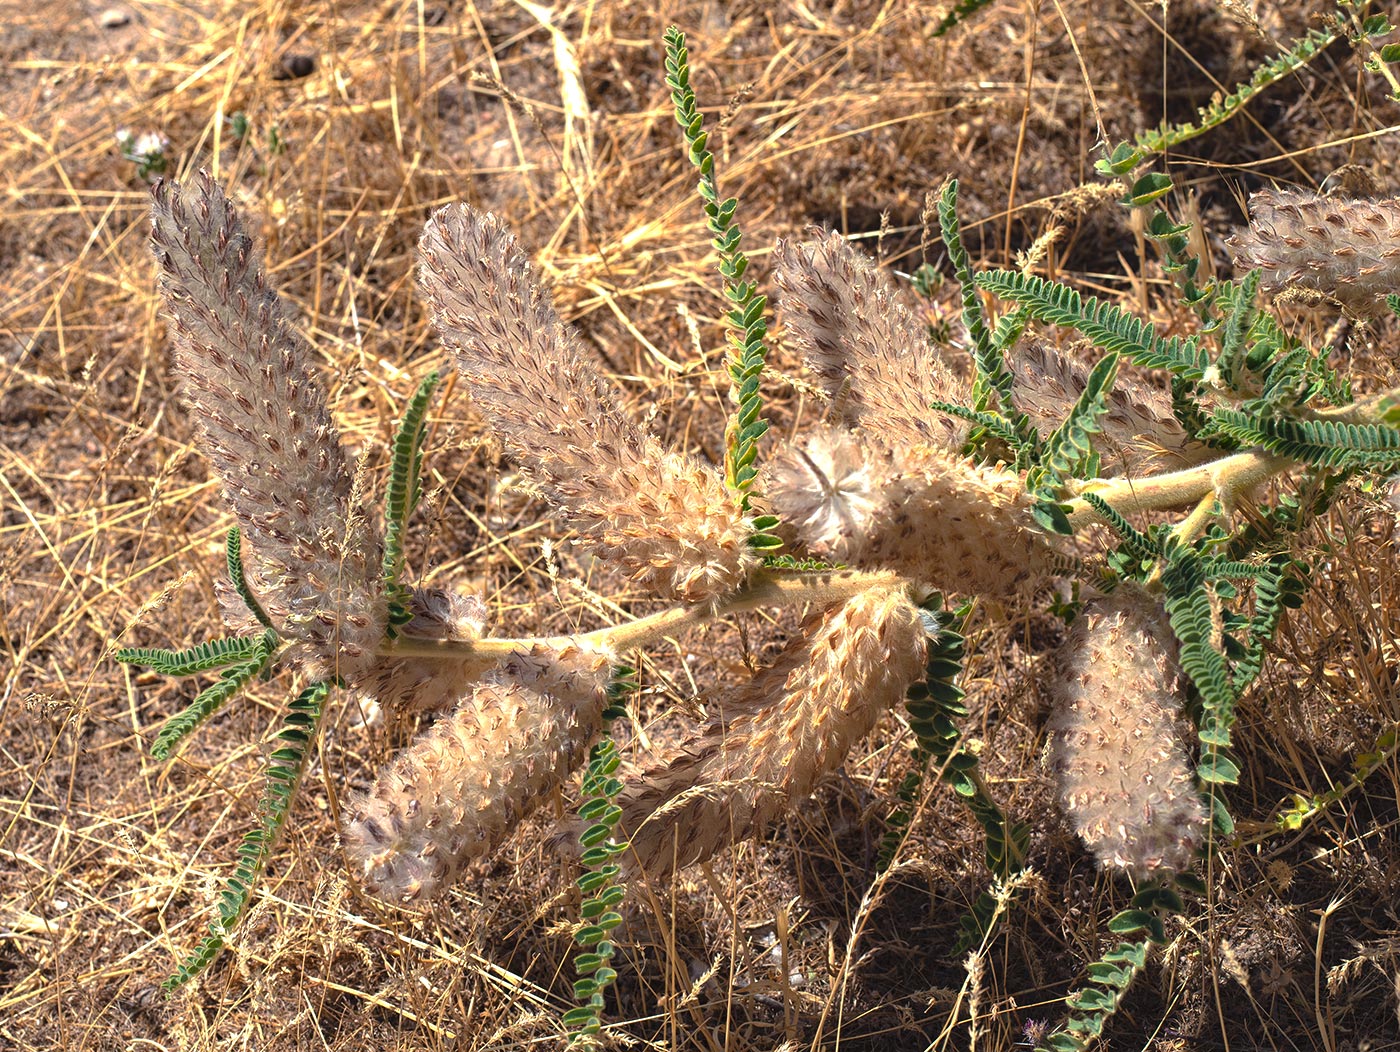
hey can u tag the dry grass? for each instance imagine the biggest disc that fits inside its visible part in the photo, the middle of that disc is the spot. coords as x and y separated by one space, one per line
845 115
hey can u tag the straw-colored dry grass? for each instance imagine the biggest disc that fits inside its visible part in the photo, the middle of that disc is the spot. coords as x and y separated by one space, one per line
844 115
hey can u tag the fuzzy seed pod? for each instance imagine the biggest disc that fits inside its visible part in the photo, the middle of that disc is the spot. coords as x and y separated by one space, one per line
871 352
411 685
778 735
666 519
1344 249
265 426
1138 429
467 782
1124 778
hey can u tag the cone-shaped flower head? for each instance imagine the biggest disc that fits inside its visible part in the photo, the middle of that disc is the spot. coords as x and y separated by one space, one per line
467 782
1345 249
1123 774
664 518
778 735
873 355
265 426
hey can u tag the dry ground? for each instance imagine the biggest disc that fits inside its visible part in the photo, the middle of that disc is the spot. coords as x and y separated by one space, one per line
363 117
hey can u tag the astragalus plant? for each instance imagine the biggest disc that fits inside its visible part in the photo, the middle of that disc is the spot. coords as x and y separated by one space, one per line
1148 493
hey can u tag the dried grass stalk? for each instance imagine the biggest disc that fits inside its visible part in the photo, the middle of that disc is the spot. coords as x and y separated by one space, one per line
780 733
666 519
265 426
467 782
870 351
1140 431
1344 249
1124 778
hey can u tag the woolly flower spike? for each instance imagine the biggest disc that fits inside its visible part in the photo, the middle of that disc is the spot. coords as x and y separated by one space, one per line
785 729
666 519
824 487
869 349
466 783
1138 428
1124 779
926 514
408 685
1346 250
267 430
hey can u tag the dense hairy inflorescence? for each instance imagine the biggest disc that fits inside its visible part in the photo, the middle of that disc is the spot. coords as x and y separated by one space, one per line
873 356
265 426
1139 430
468 781
408 685
1123 774
1347 250
777 735
927 513
665 518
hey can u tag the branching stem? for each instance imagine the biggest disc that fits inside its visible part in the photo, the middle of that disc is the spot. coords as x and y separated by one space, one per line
1225 478
766 589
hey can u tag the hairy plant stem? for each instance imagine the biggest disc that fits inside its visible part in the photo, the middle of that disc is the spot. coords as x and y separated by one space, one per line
1224 478
766 588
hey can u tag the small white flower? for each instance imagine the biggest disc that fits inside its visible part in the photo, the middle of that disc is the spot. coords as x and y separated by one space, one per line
825 489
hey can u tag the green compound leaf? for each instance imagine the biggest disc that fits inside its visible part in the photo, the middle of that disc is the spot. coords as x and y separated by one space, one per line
1125 156
234 558
1107 326
401 496
215 653
283 774
747 352
933 705
1071 446
602 895
211 699
994 379
961 12
1321 442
